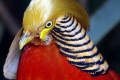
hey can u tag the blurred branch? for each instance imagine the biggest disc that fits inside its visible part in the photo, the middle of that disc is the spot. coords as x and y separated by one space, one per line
9 20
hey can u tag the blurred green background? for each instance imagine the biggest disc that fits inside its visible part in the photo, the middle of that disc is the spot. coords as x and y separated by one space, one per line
104 19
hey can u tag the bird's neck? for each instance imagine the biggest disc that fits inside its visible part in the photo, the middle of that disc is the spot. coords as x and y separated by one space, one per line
76 45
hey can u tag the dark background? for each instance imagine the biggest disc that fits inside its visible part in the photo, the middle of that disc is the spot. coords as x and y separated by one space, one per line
11 15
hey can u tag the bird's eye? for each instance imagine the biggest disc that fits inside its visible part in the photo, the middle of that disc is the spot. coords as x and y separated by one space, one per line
48 24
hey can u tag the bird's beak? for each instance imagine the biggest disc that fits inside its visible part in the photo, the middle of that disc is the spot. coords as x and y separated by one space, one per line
25 39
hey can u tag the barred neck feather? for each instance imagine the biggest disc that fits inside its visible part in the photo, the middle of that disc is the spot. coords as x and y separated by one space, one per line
76 45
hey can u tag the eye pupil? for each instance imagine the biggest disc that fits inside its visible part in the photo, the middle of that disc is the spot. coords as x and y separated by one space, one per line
48 24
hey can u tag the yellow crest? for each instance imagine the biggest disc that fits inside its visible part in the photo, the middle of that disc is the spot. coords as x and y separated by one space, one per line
40 11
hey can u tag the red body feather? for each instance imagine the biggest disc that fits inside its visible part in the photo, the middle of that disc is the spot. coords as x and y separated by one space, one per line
46 63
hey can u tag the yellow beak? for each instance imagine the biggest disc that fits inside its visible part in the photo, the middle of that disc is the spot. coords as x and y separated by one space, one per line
25 40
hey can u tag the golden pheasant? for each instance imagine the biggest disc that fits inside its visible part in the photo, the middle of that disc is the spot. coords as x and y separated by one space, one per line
53 45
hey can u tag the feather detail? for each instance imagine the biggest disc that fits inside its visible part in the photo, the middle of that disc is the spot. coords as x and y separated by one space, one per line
76 45
11 63
45 63
40 11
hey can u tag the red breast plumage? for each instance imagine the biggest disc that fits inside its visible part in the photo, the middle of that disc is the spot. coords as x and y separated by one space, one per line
46 63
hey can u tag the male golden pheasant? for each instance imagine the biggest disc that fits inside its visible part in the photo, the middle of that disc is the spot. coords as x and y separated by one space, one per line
53 45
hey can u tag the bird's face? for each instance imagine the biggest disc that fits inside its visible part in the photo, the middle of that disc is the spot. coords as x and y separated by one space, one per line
41 16
43 34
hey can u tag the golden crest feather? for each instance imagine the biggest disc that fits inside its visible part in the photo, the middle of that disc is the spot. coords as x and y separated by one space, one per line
40 11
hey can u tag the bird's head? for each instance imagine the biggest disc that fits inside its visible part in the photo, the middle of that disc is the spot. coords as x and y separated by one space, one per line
41 16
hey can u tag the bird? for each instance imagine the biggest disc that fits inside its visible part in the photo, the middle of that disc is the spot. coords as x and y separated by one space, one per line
53 45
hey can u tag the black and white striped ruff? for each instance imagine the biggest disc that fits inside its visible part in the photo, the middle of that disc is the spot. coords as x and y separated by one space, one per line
76 45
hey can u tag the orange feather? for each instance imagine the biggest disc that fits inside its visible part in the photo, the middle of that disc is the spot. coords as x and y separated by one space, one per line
46 63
